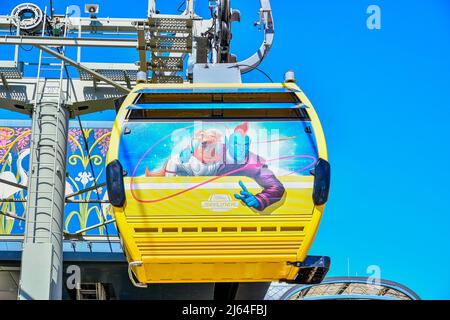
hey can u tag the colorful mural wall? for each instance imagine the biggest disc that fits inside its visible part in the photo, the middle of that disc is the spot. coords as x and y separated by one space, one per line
14 166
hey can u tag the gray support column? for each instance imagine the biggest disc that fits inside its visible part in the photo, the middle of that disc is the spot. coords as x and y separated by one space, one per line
41 273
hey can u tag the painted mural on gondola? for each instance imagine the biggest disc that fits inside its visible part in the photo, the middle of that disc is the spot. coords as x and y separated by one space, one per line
14 166
206 167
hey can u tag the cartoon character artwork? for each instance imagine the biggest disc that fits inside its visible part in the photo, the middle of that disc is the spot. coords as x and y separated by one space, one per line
202 157
212 153
241 162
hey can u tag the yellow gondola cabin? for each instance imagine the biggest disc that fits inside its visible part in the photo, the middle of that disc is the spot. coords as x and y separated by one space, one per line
218 183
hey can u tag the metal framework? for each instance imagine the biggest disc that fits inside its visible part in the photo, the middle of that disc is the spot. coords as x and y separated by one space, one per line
343 288
51 100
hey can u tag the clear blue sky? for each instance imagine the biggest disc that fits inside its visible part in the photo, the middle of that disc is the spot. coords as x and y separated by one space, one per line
384 102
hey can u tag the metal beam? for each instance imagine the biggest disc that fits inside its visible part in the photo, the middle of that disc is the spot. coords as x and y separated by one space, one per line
15 105
12 215
69 42
85 190
143 66
151 8
4 81
90 238
82 97
90 106
190 7
96 226
343 288
13 184
13 200
88 201
103 25
80 66
266 19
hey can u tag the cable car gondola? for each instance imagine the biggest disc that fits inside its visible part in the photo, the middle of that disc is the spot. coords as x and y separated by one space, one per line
218 183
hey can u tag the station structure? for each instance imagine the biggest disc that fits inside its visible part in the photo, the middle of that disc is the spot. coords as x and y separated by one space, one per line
343 288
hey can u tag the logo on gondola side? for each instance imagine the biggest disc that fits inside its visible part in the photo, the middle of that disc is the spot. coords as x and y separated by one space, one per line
220 203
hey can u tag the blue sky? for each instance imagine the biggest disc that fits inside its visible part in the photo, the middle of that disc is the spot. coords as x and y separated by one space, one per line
383 99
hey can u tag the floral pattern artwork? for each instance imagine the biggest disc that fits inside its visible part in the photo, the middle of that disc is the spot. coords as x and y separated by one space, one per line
14 167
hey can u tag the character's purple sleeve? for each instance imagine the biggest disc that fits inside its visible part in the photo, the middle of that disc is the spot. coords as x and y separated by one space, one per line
273 189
